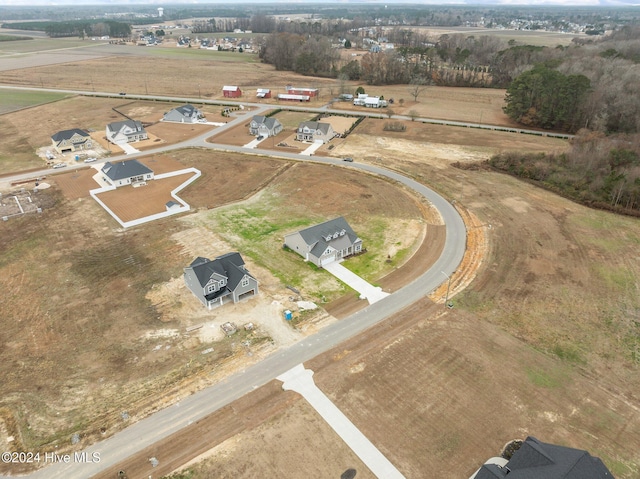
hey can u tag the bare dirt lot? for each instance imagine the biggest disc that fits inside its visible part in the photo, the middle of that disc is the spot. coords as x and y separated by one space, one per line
89 261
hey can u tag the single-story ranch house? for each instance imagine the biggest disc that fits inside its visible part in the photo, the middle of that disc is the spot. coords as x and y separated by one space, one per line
184 114
127 131
264 126
66 141
221 280
325 243
315 131
125 173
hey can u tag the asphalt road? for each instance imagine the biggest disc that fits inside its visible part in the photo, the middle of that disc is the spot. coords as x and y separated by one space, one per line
167 421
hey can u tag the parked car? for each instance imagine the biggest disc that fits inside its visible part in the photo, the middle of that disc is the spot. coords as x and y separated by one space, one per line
123 93
260 138
348 158
59 165
90 160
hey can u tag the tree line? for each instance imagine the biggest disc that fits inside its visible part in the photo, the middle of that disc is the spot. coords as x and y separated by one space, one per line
78 28
598 170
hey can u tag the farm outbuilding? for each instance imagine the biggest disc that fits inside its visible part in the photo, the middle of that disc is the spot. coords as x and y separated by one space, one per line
229 91
290 97
263 93
311 92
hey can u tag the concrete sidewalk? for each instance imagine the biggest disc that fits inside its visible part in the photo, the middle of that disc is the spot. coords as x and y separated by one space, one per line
300 380
370 292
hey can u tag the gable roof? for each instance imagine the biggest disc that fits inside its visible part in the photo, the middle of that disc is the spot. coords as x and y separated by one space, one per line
325 232
316 125
536 459
116 126
269 122
68 134
230 266
230 88
186 110
124 169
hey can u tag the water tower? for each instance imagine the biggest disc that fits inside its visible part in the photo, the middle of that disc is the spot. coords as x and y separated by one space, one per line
160 12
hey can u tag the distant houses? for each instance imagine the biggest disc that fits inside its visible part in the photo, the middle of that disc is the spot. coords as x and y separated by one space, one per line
264 126
67 141
315 131
123 173
185 114
229 91
127 131
326 242
224 279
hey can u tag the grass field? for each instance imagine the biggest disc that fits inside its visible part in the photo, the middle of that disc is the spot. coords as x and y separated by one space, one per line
13 100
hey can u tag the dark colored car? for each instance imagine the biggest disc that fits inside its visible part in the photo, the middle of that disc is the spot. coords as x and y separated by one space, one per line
347 159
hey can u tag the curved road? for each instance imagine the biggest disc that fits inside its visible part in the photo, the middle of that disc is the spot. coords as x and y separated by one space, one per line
173 418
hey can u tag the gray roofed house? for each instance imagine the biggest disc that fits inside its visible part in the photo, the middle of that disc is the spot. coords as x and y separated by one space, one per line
222 280
127 131
184 114
325 243
128 172
264 126
536 459
315 131
66 141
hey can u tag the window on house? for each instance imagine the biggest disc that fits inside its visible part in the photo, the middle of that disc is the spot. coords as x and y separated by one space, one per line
245 282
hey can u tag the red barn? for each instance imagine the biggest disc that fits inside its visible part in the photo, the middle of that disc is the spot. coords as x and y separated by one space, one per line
231 91
263 93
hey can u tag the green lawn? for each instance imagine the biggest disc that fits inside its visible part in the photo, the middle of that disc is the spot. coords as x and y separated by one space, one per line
13 100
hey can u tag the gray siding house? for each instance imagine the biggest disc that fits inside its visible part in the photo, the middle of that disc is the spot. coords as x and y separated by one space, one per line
219 281
71 140
123 173
184 114
127 131
315 131
264 126
325 243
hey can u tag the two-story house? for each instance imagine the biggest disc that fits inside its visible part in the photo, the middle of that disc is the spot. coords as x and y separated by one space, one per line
67 141
264 126
315 131
221 280
127 131
185 114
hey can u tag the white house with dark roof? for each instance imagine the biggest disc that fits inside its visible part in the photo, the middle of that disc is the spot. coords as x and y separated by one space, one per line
185 114
222 280
325 243
315 131
67 141
264 126
127 131
123 173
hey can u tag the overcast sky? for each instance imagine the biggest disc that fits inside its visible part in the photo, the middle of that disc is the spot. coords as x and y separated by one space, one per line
421 2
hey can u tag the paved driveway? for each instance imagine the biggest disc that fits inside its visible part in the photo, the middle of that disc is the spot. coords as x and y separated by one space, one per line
370 292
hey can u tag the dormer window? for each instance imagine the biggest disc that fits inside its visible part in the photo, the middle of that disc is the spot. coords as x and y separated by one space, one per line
335 235
342 233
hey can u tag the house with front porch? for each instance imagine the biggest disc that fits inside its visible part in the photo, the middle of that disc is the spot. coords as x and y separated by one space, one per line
121 173
264 126
128 131
218 281
315 131
325 243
